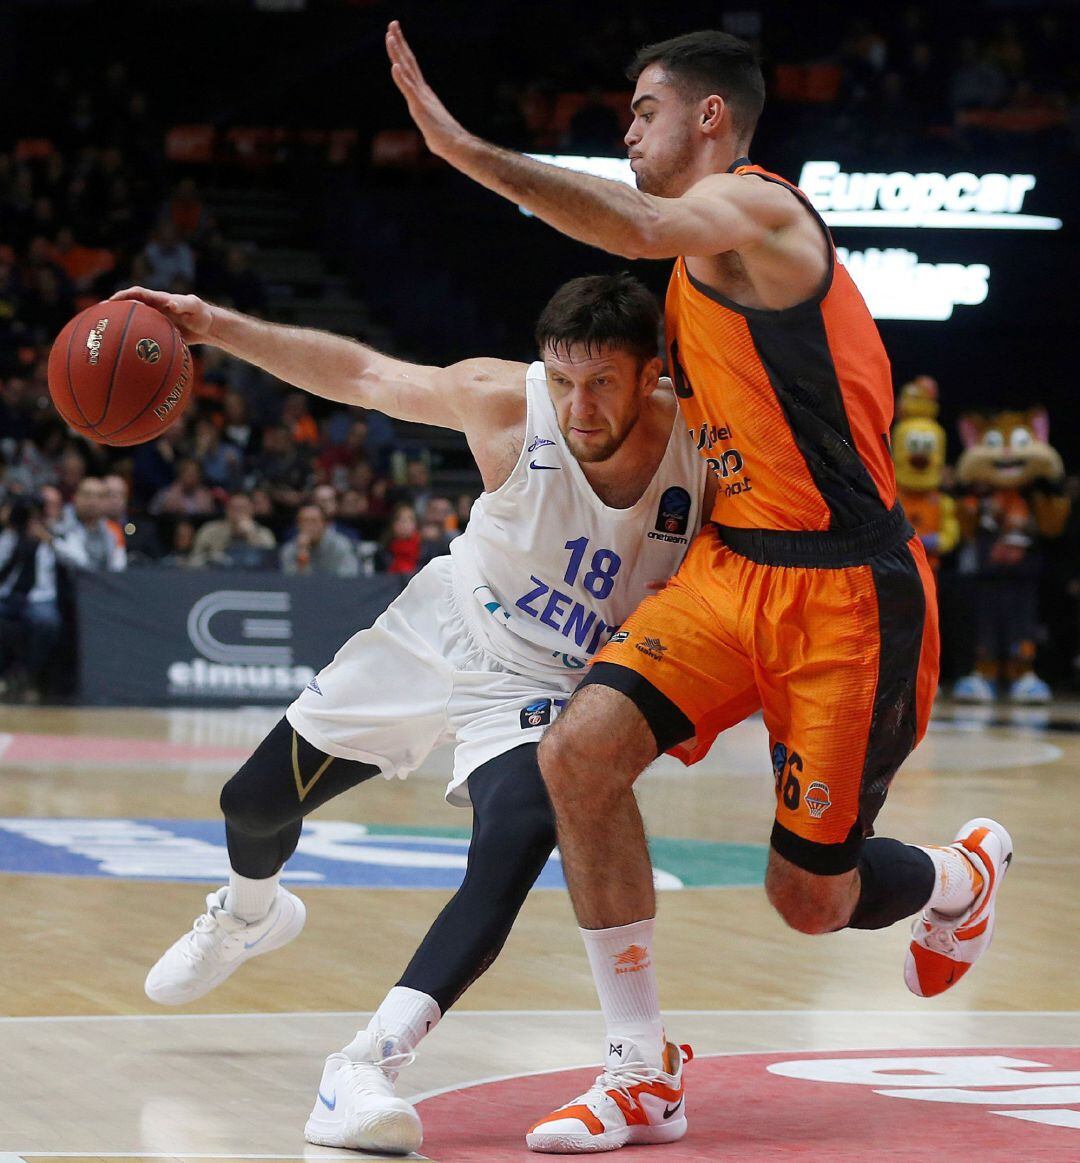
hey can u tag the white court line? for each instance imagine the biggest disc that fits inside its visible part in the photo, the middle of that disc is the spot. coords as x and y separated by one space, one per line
540 1013
529 1014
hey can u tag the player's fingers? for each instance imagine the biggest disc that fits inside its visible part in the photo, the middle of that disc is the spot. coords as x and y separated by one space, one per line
141 294
402 50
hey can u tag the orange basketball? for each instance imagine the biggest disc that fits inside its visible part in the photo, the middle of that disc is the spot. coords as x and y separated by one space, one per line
120 373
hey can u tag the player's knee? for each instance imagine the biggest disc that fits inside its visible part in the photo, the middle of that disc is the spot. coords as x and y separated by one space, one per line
516 842
248 813
808 903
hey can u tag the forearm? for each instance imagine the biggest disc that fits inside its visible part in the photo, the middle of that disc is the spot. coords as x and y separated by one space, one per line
605 214
320 363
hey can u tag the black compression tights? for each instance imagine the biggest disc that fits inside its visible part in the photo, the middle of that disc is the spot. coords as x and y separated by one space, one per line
513 835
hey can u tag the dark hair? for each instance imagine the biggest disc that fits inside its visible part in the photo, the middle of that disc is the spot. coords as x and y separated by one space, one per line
601 311
700 63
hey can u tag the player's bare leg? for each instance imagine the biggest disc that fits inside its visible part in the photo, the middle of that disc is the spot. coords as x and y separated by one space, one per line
590 759
807 901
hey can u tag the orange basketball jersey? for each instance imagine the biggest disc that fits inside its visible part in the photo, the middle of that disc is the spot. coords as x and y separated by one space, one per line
791 408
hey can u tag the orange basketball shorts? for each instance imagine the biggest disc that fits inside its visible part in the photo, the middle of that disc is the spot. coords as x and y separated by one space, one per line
842 661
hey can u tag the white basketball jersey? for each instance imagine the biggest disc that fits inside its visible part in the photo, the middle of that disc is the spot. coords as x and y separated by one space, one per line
545 573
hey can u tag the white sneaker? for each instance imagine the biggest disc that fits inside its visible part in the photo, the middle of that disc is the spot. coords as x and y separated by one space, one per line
218 944
356 1106
629 1103
943 949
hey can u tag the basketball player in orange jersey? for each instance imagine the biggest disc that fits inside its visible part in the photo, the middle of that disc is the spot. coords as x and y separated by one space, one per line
808 597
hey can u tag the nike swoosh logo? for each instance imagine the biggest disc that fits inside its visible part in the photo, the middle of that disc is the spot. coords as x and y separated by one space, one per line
670 1110
330 1105
533 464
252 944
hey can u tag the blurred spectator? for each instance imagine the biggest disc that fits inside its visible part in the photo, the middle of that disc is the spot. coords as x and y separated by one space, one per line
440 511
236 541
70 471
325 496
434 542
168 259
238 430
186 212
241 287
83 265
220 463
136 533
187 496
978 82
182 543
317 549
154 463
417 488
463 509
297 419
83 538
283 469
30 622
401 543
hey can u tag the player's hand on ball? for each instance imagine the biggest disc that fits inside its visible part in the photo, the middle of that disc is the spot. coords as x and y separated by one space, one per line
441 131
187 313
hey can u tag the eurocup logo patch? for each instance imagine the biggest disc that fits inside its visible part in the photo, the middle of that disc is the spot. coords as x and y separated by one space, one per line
536 714
673 516
779 762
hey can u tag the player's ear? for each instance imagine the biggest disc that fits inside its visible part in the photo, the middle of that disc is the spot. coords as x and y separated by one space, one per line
650 375
711 111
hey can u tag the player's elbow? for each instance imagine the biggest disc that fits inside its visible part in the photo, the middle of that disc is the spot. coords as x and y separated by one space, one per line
648 236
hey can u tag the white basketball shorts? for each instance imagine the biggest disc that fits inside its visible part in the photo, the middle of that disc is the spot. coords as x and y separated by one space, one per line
417 678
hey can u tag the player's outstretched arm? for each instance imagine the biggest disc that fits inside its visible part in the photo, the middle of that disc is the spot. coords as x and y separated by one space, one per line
721 213
328 365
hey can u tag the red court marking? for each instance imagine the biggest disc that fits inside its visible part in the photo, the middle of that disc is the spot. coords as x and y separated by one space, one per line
738 1110
109 751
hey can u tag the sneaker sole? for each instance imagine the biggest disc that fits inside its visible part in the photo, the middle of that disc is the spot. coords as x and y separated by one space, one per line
398 1132
567 1143
167 996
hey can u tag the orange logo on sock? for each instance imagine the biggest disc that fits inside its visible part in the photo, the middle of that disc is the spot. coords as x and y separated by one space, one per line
632 959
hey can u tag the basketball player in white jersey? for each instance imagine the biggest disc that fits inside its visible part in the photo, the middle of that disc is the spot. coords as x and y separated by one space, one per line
592 493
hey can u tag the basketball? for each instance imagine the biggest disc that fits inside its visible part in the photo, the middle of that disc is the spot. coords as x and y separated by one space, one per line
120 373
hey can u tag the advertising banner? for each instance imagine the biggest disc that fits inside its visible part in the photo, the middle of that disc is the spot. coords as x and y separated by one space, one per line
214 638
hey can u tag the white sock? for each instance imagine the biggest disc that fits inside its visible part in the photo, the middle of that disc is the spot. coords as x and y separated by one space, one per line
406 1015
956 882
248 899
622 967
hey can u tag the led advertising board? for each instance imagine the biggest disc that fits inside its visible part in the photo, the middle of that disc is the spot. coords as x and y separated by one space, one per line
905 276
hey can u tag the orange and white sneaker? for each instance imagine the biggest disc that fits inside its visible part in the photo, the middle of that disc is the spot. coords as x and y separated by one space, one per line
629 1103
943 949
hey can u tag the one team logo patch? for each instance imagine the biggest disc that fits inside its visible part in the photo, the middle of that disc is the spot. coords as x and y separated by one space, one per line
673 516
536 714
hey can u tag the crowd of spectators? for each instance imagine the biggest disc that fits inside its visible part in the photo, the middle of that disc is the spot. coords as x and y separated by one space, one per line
254 476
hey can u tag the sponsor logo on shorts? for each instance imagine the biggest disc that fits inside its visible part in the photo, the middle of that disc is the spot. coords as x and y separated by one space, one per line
632 959
536 714
817 799
621 636
652 648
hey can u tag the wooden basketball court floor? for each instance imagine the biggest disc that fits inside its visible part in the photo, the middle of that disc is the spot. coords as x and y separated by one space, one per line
90 1069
